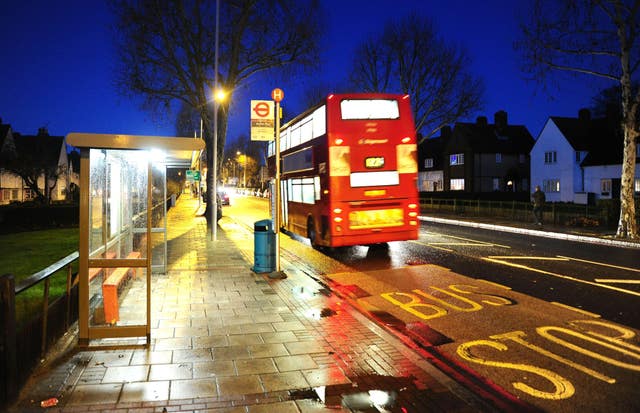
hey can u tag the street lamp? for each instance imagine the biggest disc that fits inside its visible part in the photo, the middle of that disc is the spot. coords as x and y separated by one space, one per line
244 168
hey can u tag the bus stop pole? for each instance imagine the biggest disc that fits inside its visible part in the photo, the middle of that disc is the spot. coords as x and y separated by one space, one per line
276 218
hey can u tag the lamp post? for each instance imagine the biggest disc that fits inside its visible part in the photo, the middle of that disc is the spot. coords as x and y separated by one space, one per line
244 168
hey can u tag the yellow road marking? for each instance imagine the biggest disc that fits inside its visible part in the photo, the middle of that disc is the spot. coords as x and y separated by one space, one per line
577 310
477 242
566 277
512 257
602 264
615 281
432 246
495 284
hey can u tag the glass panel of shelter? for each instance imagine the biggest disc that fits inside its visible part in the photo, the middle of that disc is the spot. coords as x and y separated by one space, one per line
118 200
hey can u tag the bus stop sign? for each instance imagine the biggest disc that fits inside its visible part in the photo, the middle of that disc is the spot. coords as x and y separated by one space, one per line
277 94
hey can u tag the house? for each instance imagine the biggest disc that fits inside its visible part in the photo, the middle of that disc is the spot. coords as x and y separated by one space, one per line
10 185
38 155
482 157
431 162
579 159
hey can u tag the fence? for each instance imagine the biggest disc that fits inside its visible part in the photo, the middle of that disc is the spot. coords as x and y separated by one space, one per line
565 214
23 345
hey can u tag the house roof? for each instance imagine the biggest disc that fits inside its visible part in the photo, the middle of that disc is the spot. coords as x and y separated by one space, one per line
489 138
40 149
599 137
4 132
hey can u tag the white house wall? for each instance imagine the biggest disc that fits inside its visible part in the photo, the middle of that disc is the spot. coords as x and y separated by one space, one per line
564 169
593 176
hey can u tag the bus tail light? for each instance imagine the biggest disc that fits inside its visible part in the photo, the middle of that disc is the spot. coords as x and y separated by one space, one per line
337 219
337 210
406 139
412 206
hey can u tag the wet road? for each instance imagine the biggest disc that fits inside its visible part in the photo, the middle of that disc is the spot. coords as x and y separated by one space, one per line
552 322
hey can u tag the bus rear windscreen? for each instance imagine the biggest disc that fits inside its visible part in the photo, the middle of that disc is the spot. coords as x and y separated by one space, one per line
359 109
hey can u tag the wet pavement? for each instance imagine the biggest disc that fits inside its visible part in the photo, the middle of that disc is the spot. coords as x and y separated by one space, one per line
225 339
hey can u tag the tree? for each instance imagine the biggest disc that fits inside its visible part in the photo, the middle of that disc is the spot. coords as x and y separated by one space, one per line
410 57
166 52
597 38
36 163
243 158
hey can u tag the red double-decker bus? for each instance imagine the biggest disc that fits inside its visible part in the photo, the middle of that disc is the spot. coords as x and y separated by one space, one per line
349 171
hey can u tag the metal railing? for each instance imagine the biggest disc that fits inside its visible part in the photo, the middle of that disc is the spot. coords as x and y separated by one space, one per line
23 345
565 214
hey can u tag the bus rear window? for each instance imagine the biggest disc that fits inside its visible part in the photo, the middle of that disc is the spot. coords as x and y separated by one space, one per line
369 109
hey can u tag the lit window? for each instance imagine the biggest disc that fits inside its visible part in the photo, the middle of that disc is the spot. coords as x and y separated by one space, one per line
551 185
637 185
496 184
456 159
428 163
457 184
550 157
369 109
498 158
605 187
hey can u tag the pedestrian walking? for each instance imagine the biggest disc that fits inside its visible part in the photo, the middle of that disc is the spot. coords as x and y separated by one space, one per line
538 199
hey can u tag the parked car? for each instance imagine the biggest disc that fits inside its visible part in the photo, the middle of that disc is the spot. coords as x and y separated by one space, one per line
219 202
224 197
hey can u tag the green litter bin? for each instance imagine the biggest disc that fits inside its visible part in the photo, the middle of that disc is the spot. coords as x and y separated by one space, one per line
264 246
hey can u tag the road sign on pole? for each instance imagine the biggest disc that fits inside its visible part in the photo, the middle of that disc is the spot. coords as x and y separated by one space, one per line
262 120
277 94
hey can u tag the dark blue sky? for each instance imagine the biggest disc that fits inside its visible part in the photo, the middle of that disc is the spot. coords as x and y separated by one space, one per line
57 64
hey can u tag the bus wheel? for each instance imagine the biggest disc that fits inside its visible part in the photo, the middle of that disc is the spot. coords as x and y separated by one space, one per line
311 233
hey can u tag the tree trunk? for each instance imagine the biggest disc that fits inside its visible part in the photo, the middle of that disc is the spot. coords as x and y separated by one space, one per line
627 225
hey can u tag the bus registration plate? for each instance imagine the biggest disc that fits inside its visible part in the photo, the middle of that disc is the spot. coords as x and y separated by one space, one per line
376 218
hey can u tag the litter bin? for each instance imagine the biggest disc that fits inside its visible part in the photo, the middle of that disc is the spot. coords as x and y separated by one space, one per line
264 246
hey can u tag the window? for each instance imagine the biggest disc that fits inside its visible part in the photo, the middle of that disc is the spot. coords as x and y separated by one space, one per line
605 187
456 184
551 185
550 157
498 158
496 184
522 158
29 194
636 185
428 163
369 109
305 190
578 156
456 159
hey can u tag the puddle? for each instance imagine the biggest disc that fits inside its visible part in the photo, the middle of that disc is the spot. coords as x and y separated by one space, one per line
369 393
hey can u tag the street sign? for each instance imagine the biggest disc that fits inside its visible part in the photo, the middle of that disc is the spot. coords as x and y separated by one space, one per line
262 120
277 94
193 175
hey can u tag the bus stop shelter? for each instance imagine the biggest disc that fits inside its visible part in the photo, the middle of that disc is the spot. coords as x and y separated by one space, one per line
123 240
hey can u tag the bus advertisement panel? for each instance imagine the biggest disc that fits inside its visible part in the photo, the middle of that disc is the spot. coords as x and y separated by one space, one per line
349 171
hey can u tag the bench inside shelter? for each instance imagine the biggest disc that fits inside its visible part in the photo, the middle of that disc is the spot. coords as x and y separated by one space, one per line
113 284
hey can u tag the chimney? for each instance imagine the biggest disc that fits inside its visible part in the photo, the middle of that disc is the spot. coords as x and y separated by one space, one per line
481 121
43 131
445 132
584 115
500 119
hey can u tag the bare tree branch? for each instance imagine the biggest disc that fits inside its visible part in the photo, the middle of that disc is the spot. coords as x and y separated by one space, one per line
409 57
